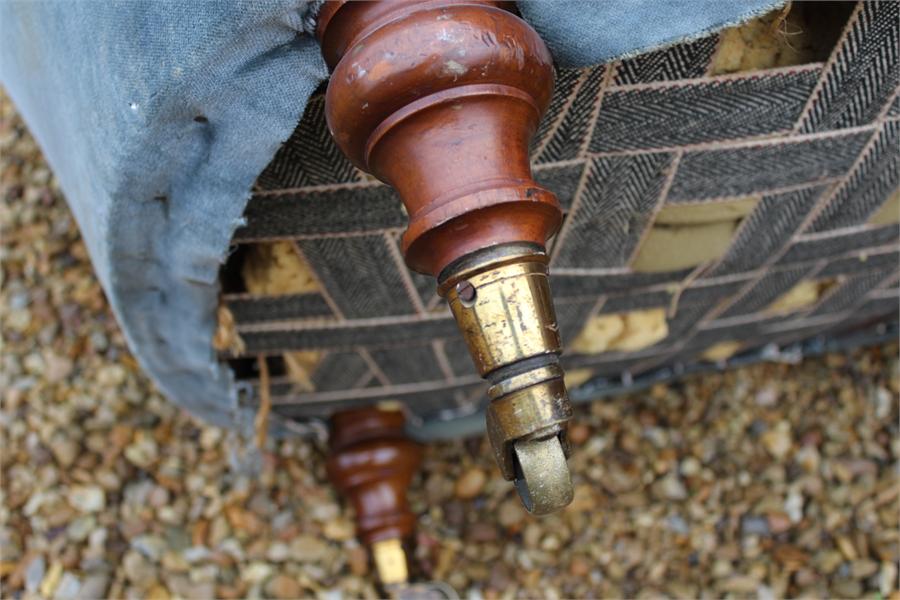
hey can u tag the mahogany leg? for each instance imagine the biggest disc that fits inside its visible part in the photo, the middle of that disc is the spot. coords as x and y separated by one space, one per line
372 463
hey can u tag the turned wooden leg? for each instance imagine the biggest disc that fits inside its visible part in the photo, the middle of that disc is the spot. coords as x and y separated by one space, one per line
440 99
372 463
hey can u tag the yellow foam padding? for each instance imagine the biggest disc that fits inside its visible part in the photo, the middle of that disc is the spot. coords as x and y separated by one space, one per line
721 351
889 212
226 338
796 34
706 212
597 334
803 295
670 248
277 269
686 235
575 377
627 332
300 367
643 328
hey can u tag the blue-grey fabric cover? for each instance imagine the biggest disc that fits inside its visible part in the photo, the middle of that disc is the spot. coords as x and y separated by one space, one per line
157 116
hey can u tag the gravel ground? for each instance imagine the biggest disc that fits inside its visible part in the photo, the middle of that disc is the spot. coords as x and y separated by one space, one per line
770 481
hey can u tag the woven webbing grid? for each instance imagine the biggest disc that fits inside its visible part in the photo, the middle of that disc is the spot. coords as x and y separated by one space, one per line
815 145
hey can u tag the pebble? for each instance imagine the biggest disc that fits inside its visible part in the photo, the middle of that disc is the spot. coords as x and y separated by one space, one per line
87 498
256 572
34 574
285 587
779 522
278 552
778 440
79 529
150 546
861 569
358 559
579 433
671 487
306 548
339 530
690 467
470 483
138 569
68 588
143 451
511 514
93 587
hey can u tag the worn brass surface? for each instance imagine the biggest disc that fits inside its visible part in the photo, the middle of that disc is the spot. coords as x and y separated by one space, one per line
501 301
511 316
542 476
536 411
390 561
524 380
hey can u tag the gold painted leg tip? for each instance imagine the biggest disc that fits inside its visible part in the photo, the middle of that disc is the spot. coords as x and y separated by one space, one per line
542 475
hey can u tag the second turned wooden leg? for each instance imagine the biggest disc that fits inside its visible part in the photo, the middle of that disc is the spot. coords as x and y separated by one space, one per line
372 463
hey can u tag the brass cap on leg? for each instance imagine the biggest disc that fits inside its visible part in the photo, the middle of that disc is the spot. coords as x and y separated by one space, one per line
501 300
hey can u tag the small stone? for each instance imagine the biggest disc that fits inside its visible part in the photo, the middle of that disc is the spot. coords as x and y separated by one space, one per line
847 588
755 525
306 548
767 396
670 487
284 587
51 580
470 483
861 569
358 559
779 522
210 437
138 569
579 567
158 497
57 367
256 572
510 514
793 506
64 449
150 546
740 584
777 441
87 498
808 457
677 524
578 433
243 520
551 543
111 375
278 552
79 529
158 592
68 587
532 535
325 511
339 530
196 554
690 467
886 578
143 451
482 532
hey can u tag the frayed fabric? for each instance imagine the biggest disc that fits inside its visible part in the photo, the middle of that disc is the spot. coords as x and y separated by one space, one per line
157 116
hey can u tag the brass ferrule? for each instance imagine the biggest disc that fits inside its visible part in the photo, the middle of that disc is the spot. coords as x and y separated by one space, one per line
390 561
501 300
